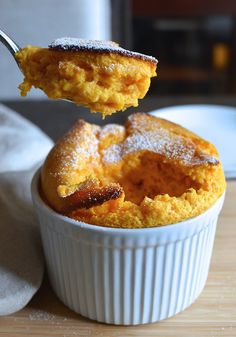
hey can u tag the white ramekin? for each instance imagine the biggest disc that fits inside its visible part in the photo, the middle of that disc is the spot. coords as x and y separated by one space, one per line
126 276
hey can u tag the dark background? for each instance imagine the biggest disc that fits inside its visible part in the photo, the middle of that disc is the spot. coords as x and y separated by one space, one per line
194 41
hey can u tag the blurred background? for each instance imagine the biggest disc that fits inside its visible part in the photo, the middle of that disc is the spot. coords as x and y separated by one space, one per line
194 41
39 23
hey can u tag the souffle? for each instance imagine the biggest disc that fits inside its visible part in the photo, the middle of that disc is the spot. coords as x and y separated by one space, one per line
97 74
148 173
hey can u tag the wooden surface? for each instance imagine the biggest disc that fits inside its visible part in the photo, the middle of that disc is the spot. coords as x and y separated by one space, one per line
212 315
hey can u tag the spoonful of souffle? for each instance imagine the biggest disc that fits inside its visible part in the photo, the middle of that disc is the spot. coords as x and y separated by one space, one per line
97 74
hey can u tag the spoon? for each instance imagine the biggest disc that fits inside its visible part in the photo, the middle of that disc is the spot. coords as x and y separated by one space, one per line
10 44
13 49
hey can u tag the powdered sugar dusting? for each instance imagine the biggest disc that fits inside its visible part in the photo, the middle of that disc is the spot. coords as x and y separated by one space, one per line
81 145
78 145
111 129
75 44
40 315
68 42
160 141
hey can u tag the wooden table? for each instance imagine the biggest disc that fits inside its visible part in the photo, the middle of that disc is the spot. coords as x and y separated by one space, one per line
212 315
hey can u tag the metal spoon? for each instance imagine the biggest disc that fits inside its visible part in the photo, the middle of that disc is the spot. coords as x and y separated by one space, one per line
13 49
10 44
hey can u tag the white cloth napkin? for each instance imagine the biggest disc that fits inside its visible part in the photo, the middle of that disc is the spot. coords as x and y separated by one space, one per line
23 147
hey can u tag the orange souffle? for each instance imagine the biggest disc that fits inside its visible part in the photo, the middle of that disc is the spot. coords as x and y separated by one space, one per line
149 173
97 74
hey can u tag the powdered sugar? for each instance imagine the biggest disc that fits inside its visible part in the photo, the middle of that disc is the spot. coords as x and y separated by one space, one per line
40 315
75 44
111 129
80 144
160 141
142 133
68 42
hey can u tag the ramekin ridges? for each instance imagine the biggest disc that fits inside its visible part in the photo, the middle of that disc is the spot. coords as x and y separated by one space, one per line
126 276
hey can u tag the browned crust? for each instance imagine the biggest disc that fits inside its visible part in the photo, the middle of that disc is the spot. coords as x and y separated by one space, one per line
110 48
118 52
89 197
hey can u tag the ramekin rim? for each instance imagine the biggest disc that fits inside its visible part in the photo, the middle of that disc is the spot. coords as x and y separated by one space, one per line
97 228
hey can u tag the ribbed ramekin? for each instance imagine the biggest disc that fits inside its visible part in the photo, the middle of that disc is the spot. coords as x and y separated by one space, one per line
126 276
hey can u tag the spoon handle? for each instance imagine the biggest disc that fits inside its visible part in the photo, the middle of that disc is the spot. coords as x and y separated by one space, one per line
9 43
